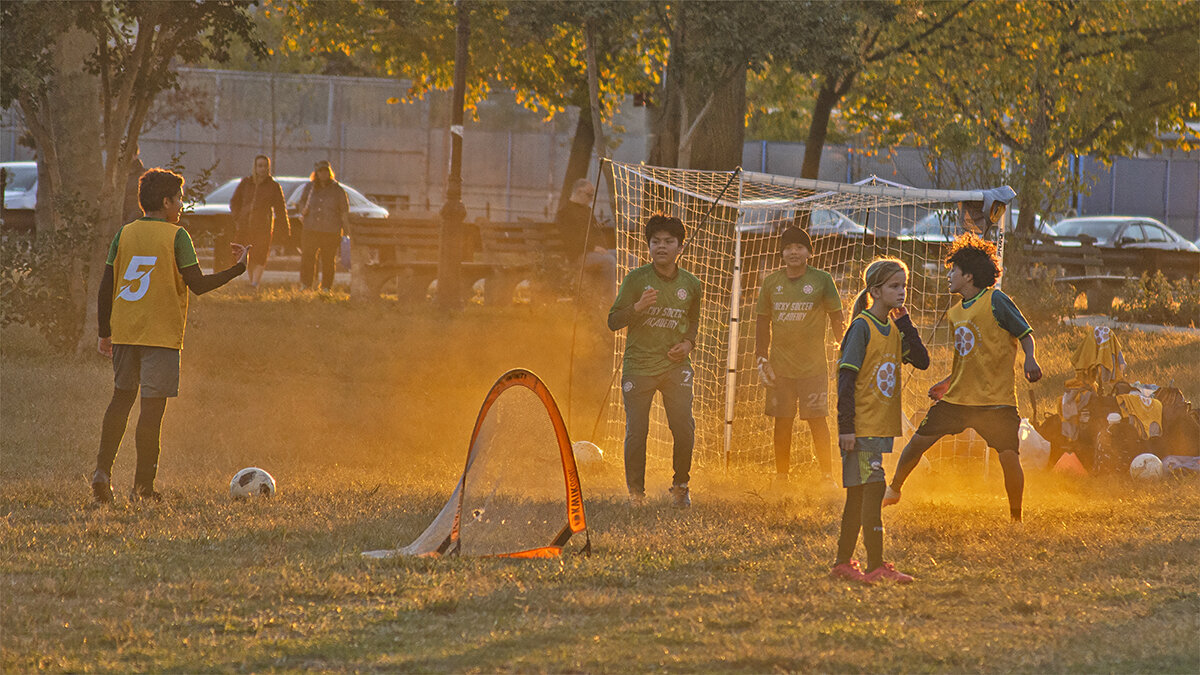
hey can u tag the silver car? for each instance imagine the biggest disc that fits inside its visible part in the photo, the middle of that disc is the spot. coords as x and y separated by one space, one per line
20 187
213 214
771 216
1132 232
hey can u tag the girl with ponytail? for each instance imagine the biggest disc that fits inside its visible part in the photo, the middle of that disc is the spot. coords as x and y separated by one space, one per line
881 337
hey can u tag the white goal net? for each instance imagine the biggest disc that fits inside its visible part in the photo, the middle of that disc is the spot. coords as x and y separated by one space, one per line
733 221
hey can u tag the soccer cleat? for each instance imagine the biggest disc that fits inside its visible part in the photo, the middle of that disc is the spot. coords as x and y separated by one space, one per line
891 496
849 570
147 494
680 493
888 572
101 488
637 499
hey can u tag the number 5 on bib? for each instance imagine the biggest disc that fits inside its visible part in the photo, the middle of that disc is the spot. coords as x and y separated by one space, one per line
138 274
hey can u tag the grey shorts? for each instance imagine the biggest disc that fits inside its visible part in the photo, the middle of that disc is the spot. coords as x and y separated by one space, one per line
803 397
155 369
864 464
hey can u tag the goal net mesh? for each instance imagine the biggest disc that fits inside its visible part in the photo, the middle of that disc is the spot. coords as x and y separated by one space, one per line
733 222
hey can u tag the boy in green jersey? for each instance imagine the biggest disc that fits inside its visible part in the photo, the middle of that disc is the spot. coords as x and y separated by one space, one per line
793 304
660 304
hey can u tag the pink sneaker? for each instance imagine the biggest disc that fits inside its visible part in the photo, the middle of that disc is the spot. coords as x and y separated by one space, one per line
887 572
851 570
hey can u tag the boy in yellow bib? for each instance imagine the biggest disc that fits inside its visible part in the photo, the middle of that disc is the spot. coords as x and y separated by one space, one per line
142 315
879 340
980 392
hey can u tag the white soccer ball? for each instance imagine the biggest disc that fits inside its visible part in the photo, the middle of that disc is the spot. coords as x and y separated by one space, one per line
1146 466
252 482
587 452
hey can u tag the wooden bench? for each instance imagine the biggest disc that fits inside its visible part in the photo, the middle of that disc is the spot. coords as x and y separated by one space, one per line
404 249
526 250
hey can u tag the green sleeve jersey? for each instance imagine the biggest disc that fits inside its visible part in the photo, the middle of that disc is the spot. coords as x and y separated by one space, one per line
799 310
652 333
185 250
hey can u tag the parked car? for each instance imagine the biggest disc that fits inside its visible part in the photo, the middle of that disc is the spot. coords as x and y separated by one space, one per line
212 214
360 206
20 187
821 222
1131 232
20 194
941 227
936 227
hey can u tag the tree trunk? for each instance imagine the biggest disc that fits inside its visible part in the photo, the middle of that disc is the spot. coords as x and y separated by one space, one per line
67 133
66 128
598 138
827 98
664 118
717 143
581 154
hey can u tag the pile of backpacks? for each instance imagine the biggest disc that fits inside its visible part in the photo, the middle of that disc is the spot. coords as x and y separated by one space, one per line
1104 421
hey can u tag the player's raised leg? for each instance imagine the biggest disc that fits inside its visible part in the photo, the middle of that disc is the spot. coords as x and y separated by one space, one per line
909 458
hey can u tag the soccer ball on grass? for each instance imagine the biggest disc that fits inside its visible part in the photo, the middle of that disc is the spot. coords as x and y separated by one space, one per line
1146 466
252 482
587 452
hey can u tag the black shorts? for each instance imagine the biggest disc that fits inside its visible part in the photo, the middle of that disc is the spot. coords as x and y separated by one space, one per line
997 425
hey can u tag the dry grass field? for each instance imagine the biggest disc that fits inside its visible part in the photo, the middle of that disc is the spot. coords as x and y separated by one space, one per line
363 413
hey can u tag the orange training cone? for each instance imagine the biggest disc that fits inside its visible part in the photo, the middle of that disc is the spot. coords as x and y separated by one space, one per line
1069 465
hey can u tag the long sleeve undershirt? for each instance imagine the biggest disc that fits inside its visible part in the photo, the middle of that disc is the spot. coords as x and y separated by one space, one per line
197 282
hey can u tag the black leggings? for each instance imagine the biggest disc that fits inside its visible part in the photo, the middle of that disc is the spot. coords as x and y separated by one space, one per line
863 506
146 436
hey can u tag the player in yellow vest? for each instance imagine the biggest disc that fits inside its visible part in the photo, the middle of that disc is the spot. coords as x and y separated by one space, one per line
878 341
793 306
142 307
980 392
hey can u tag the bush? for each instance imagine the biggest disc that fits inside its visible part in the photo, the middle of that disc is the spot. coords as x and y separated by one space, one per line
1042 300
1157 300
43 275
38 282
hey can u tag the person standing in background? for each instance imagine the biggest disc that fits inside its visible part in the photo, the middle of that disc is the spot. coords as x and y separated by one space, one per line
257 206
326 213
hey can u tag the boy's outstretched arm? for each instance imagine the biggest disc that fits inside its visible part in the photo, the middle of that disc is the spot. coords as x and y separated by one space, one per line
1033 372
200 283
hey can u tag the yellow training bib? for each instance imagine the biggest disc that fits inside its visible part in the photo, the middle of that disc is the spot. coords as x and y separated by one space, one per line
983 356
877 409
149 296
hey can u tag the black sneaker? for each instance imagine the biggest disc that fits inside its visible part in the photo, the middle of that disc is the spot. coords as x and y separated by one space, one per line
101 489
148 494
680 493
